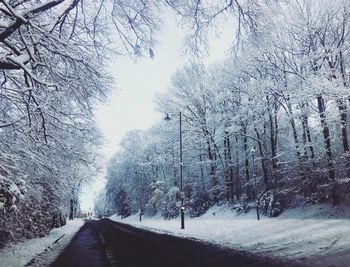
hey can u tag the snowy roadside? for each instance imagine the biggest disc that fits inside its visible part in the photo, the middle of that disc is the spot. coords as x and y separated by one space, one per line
314 235
40 251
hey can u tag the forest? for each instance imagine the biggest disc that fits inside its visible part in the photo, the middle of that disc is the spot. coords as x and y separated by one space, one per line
265 129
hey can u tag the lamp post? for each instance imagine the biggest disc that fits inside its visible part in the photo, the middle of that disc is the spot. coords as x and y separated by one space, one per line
140 193
182 193
252 151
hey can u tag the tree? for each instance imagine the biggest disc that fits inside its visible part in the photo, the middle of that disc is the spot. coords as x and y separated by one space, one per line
284 93
123 208
53 72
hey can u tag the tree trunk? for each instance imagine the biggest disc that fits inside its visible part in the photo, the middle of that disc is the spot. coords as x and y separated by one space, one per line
214 178
71 209
272 141
245 148
343 117
202 171
328 147
228 169
306 135
237 169
343 123
263 160
292 123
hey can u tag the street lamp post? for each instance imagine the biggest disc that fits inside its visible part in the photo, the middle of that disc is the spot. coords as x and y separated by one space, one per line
255 185
182 193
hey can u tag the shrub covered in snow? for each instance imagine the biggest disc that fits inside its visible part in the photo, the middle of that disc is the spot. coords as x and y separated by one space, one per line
34 216
199 203
170 207
11 192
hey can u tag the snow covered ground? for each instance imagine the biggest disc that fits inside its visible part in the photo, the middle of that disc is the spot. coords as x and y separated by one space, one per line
313 235
40 251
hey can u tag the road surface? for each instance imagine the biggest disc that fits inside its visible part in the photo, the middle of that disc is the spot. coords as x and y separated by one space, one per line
108 243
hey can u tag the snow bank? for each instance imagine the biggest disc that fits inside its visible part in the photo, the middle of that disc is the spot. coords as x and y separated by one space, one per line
40 251
314 235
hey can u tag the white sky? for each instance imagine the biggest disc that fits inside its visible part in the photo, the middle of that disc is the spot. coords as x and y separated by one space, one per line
130 105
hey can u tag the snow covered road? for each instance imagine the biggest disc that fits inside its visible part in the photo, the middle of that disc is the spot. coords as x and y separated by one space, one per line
107 243
305 235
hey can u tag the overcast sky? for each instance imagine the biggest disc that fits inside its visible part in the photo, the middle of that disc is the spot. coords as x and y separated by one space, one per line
130 105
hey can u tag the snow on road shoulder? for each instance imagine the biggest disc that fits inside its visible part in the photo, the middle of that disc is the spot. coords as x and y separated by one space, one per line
40 251
314 235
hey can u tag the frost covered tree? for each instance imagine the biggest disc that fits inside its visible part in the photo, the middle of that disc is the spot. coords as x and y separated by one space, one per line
267 126
53 71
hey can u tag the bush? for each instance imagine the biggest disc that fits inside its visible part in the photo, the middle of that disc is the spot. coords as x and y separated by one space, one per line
199 203
5 237
170 208
270 203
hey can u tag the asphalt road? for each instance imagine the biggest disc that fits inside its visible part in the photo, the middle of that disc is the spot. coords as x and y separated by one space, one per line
107 243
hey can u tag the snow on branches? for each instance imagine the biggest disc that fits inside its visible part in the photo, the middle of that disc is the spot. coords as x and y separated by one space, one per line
53 58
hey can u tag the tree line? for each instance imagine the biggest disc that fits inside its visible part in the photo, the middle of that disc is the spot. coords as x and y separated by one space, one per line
54 59
267 127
